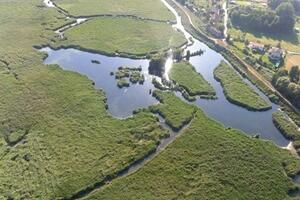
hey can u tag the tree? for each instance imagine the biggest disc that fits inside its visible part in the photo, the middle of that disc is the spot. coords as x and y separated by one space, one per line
282 83
157 64
177 54
286 13
188 55
294 74
278 74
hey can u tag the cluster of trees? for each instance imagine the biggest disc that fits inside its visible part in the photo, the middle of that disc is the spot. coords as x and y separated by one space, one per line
279 20
181 1
273 4
288 84
157 64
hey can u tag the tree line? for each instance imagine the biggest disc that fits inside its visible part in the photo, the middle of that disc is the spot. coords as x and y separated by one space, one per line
288 84
280 20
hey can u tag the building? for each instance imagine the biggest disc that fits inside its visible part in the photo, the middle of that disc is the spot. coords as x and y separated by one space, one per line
256 47
275 54
214 31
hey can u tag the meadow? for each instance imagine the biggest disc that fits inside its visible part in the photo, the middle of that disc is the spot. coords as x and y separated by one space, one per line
56 137
185 75
237 91
288 128
177 114
123 35
208 161
153 9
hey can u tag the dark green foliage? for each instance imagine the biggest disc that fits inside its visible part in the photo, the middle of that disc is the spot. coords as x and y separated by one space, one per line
294 74
123 83
157 64
286 125
290 89
261 20
124 74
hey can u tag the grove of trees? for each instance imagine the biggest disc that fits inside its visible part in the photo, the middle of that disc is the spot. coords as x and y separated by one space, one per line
280 20
288 84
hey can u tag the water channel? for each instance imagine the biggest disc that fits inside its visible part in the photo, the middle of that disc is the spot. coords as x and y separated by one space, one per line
122 102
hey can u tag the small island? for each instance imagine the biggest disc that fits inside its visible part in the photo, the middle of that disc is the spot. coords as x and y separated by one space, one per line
127 75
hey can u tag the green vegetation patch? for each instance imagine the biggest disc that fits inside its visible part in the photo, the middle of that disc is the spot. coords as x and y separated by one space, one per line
153 9
185 75
175 111
123 35
126 74
286 125
56 137
237 91
71 141
208 161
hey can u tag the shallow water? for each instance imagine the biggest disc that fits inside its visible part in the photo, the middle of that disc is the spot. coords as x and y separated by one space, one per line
122 102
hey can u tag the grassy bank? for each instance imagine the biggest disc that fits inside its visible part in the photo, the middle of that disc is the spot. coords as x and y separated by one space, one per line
177 114
287 127
123 35
237 91
208 161
185 75
153 9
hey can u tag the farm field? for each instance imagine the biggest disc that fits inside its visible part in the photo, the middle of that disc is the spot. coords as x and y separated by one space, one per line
291 60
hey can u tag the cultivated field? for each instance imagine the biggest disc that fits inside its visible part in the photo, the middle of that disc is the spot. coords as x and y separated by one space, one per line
292 60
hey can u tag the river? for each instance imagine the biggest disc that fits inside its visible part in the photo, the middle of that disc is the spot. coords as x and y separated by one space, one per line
122 102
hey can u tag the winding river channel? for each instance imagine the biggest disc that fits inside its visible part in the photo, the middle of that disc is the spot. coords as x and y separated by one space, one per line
122 102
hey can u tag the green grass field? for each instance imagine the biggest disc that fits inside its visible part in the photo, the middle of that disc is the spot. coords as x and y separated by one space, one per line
289 42
153 9
208 161
185 75
237 91
126 35
177 114
286 126
56 136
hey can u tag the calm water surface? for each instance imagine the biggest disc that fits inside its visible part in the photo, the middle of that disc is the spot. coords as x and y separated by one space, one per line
122 102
